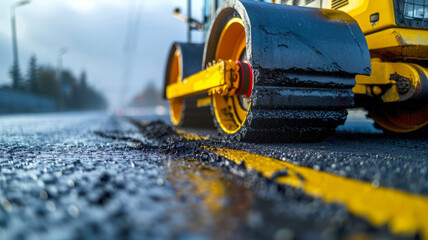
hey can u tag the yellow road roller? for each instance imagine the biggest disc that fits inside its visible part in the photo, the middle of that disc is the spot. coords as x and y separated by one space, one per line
288 70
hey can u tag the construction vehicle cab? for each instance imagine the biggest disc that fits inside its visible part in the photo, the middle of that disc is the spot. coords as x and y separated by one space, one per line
273 72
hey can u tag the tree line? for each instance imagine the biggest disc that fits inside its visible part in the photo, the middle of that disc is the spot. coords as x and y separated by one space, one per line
68 91
149 97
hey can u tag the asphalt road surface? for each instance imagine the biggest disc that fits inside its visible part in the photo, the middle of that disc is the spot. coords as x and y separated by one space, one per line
93 176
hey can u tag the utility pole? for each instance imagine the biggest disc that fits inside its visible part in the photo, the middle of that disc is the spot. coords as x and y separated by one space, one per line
59 71
192 24
15 42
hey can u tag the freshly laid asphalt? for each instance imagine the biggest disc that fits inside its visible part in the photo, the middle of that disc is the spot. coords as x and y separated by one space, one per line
93 176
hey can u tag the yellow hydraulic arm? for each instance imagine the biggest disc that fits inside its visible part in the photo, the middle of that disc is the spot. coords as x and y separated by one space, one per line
222 77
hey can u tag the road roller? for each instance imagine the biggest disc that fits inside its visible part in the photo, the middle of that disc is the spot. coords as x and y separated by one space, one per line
288 70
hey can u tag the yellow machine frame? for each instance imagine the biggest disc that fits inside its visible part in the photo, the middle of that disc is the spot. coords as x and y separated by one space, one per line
377 20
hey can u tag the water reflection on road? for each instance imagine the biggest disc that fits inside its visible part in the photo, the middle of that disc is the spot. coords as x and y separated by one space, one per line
216 205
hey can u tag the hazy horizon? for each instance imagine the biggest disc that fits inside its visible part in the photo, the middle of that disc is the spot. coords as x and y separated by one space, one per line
107 38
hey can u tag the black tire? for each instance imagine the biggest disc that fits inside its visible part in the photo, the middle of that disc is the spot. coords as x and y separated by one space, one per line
300 100
190 63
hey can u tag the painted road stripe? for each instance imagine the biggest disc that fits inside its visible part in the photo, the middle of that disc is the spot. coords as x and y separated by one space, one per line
190 136
405 213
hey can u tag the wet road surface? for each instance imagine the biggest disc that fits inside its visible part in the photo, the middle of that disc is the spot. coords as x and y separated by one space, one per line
92 176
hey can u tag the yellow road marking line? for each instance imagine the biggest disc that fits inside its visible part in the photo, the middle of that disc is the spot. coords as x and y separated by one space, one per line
405 213
190 136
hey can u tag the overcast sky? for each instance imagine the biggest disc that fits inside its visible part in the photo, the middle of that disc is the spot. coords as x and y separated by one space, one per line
95 33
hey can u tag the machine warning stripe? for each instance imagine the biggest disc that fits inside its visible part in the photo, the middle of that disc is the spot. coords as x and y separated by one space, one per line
403 212
338 4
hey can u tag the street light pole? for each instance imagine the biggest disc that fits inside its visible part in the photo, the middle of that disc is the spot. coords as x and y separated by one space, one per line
189 17
14 39
14 42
